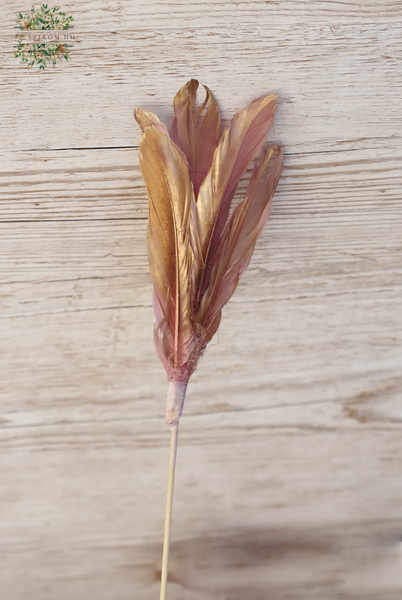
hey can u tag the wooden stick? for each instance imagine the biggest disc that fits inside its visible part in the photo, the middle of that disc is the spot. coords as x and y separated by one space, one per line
174 432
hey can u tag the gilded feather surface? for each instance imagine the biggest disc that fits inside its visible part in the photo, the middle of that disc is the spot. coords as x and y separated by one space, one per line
198 244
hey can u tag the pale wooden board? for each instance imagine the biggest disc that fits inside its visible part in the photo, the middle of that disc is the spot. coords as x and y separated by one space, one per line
100 184
336 82
267 505
288 484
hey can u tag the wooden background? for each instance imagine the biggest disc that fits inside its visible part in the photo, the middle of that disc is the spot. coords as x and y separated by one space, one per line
289 468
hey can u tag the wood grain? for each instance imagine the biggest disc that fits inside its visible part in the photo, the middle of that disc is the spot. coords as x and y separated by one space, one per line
288 482
114 72
282 521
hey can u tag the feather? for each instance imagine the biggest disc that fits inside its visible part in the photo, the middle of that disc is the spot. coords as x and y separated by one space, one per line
239 237
237 148
196 130
170 196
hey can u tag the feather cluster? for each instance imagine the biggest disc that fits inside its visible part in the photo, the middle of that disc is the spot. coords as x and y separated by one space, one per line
198 246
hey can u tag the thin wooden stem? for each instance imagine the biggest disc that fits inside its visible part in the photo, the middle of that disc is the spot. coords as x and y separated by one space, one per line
174 432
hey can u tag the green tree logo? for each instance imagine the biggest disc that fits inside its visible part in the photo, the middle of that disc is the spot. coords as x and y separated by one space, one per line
33 49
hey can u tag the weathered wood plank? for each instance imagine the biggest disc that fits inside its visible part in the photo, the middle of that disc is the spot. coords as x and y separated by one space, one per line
316 317
288 486
326 270
279 523
90 101
183 14
107 184
101 364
